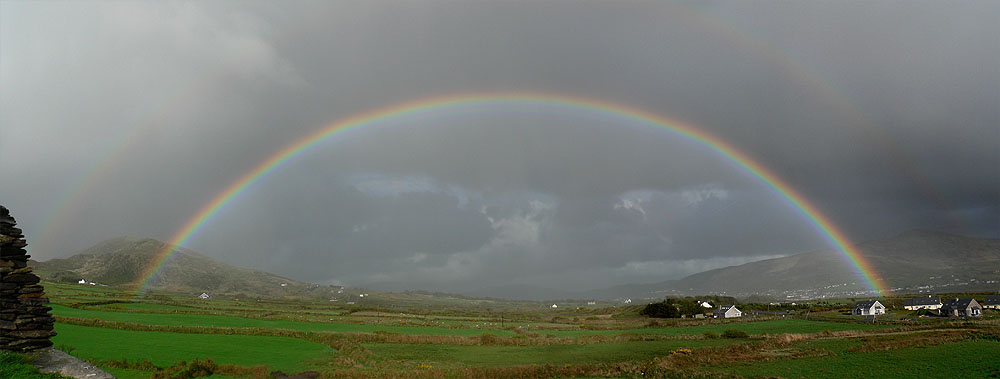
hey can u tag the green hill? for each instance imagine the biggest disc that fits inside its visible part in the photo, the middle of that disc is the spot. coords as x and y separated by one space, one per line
121 262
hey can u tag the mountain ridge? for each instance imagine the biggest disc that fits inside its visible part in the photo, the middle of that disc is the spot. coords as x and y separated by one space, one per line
912 261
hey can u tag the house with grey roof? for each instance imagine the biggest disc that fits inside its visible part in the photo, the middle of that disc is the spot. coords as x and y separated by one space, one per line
957 307
868 308
992 302
929 302
727 311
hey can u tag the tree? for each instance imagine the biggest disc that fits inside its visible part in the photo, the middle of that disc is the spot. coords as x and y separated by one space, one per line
663 309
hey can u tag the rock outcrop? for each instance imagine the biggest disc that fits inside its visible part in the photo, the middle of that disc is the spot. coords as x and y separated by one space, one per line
25 319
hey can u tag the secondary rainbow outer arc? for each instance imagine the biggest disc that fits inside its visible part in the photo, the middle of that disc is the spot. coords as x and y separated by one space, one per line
800 204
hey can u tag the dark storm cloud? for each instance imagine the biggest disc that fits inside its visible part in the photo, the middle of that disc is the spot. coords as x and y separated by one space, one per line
882 114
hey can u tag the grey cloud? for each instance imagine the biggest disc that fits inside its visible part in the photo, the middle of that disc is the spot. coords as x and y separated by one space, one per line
881 114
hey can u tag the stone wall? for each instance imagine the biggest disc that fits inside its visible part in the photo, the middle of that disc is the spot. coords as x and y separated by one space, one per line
25 321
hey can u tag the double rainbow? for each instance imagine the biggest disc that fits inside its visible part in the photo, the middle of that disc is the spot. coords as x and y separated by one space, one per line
834 236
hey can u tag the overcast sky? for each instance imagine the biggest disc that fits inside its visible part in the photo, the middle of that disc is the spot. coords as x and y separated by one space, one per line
126 118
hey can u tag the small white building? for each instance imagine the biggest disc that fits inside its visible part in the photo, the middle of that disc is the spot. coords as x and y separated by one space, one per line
82 281
727 311
555 306
868 308
628 301
591 303
705 304
204 296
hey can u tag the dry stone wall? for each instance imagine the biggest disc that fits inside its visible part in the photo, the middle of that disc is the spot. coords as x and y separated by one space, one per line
25 319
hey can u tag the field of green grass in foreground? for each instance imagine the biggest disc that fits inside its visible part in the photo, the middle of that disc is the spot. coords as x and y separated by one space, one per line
164 349
976 358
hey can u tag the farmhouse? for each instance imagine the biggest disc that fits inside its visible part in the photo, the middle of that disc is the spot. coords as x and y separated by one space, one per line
929 302
727 311
204 296
868 308
992 302
956 307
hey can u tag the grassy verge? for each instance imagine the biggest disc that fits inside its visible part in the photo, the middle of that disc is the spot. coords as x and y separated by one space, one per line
13 365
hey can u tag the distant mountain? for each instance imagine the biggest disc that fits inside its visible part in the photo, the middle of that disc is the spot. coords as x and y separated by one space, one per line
908 263
120 261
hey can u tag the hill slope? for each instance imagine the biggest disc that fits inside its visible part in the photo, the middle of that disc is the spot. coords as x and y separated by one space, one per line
910 262
120 261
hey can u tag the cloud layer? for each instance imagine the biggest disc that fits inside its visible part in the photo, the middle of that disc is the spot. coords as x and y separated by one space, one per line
127 118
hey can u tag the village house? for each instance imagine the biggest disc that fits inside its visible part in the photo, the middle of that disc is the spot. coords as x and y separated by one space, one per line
204 296
992 302
929 302
956 307
868 308
727 311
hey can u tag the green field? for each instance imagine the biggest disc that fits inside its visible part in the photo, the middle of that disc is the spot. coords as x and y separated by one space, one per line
136 337
163 349
445 355
974 358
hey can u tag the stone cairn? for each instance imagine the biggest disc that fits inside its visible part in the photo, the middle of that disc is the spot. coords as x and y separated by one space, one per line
25 321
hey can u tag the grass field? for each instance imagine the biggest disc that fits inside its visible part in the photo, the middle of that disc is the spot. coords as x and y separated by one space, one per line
137 337
164 349
452 355
977 358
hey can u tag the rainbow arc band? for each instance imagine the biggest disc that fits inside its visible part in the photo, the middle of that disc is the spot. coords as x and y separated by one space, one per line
820 223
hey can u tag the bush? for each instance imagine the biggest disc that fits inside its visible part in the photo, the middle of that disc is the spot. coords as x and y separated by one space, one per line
733 333
711 334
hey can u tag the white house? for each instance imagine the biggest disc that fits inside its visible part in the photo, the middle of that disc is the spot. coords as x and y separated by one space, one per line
204 296
992 302
82 281
727 311
705 304
868 308
628 301
929 302
555 306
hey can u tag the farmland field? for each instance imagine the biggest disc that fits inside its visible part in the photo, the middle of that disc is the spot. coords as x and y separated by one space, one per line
136 337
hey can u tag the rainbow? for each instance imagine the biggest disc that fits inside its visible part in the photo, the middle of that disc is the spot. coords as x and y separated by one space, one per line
833 235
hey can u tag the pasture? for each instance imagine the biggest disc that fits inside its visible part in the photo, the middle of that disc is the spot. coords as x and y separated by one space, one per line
141 336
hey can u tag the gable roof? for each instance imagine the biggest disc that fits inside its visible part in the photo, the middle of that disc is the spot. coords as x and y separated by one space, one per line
957 303
929 300
725 308
865 304
992 300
